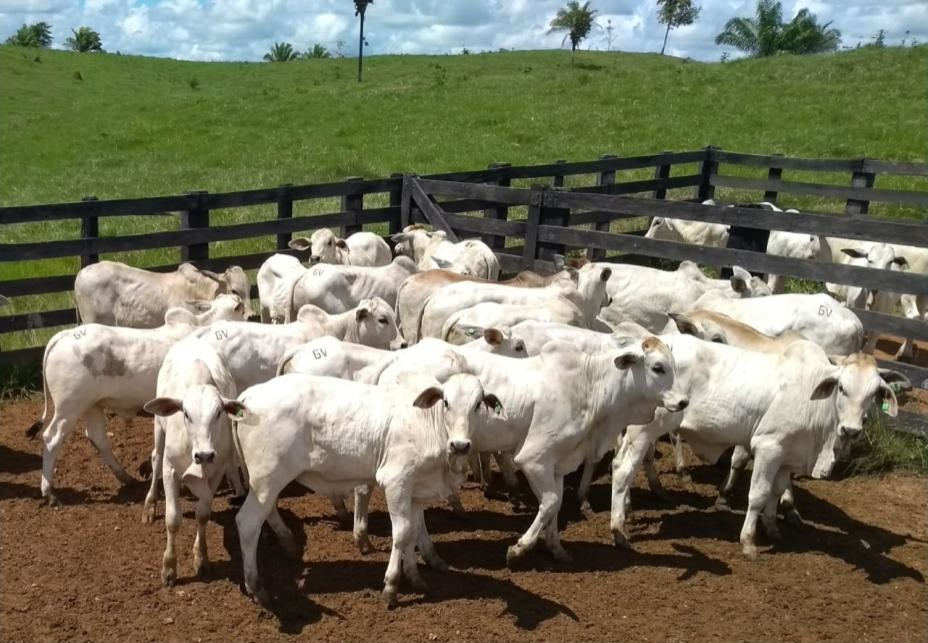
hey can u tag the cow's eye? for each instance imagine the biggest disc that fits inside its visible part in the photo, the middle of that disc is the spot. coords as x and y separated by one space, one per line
330 243
659 369
477 408
718 339
383 320
520 348
445 403
841 390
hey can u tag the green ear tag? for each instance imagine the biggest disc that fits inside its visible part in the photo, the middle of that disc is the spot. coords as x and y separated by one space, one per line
498 408
885 406
240 413
471 331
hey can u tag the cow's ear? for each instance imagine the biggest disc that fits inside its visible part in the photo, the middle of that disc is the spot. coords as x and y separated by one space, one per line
428 398
400 237
890 376
215 276
495 407
887 397
740 279
493 336
341 243
238 412
825 388
163 406
199 305
300 243
902 262
361 314
854 252
685 325
628 357
605 274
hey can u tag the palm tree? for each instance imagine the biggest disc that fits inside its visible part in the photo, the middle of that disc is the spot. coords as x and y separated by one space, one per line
84 39
34 35
766 34
281 52
576 20
675 13
318 51
360 8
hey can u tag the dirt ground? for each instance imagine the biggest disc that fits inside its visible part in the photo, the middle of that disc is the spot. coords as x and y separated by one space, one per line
89 571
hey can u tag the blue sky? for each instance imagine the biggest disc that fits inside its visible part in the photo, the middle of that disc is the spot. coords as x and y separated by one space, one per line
245 29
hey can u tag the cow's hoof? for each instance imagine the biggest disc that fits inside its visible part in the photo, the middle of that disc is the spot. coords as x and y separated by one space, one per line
513 554
437 564
389 597
148 514
750 552
586 510
52 500
620 539
721 504
168 577
793 518
365 546
202 569
126 479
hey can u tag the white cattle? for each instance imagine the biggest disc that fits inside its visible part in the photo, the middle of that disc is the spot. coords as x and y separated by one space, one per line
114 294
94 367
794 411
461 326
276 277
417 290
253 351
193 441
431 249
818 317
333 435
359 249
712 326
535 334
879 256
589 296
335 288
913 306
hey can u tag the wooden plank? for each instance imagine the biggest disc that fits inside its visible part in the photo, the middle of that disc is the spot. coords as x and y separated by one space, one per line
485 226
530 249
708 170
406 205
70 248
500 212
857 207
593 167
661 172
918 375
46 319
90 229
605 180
821 190
645 185
495 193
774 173
430 209
76 210
352 203
396 200
910 422
36 285
894 167
787 162
888 280
557 181
284 211
889 231
195 218
23 357
893 324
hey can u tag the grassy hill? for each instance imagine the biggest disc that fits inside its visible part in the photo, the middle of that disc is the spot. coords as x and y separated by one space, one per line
122 126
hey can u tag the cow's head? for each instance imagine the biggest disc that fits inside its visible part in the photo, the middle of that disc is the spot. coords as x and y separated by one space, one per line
376 324
234 281
591 282
704 329
500 341
880 256
651 366
413 241
744 284
206 421
853 385
323 246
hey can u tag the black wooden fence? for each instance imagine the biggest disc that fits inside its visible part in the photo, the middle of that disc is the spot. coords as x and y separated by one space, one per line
482 202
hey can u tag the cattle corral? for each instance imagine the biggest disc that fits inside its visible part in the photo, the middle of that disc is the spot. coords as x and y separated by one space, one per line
862 548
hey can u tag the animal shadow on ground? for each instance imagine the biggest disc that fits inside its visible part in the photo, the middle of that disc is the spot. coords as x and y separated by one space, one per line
285 579
13 461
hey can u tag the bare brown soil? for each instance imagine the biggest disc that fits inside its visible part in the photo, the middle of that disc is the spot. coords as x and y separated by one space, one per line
89 571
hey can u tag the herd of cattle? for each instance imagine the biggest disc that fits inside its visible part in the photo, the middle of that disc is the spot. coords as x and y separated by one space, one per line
404 369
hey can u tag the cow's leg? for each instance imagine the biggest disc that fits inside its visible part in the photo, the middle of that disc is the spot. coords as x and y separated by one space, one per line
172 516
157 462
679 460
739 460
540 477
426 546
552 534
410 561
399 504
583 490
362 498
769 517
53 437
634 448
454 500
788 504
200 555
284 535
776 283
650 472
95 427
261 501
508 468
338 503
766 467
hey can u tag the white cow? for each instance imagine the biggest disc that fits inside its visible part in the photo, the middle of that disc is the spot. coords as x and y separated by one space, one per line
879 256
712 326
193 441
359 249
333 435
913 306
276 277
431 249
253 351
589 296
794 411
335 288
94 367
417 289
535 334
459 327
818 317
114 294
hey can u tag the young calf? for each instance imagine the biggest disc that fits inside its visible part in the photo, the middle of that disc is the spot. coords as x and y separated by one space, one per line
333 435
193 440
359 249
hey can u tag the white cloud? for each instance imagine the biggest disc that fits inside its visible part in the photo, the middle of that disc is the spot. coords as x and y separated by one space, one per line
245 29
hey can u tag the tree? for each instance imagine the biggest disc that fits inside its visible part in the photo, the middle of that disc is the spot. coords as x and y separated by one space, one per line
281 52
34 35
84 39
318 51
576 20
360 8
766 34
675 13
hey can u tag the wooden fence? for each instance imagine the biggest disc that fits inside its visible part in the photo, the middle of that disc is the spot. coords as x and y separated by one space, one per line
482 202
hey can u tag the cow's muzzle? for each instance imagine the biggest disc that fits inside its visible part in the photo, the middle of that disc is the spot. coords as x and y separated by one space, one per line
675 402
204 457
459 447
314 259
849 432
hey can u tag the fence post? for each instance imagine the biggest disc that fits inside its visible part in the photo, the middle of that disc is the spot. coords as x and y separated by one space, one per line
90 229
605 178
661 172
773 174
396 201
192 219
500 212
406 217
284 211
710 167
859 179
558 179
554 217
353 203
536 199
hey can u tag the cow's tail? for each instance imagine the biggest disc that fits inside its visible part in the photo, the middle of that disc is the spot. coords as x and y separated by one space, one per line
33 430
419 319
282 364
450 323
290 315
240 455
